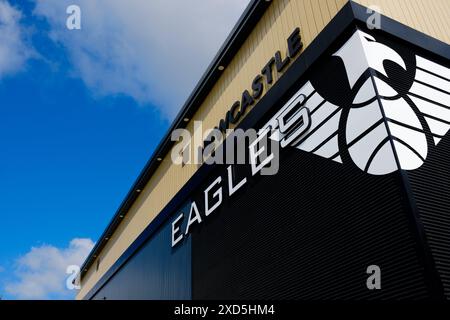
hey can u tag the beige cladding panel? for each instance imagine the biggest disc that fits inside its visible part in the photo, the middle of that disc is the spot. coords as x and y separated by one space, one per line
431 17
268 36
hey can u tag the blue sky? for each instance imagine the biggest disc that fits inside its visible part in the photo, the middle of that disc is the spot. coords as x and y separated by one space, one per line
81 112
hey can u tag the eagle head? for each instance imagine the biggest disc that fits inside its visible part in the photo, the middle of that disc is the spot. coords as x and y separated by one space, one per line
362 52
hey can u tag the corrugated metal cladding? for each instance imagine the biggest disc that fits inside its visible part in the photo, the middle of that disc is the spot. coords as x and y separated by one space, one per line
156 271
431 17
312 230
269 35
430 183
431 188
309 232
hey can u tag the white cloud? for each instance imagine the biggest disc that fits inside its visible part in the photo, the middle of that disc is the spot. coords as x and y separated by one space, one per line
14 45
41 273
154 51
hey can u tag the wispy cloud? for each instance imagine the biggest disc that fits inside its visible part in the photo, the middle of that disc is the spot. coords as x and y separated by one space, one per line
15 47
154 51
41 273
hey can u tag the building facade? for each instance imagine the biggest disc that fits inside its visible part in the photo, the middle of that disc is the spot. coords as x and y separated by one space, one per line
358 105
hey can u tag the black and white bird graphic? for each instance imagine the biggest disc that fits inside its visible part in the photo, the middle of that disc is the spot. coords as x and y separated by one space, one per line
391 111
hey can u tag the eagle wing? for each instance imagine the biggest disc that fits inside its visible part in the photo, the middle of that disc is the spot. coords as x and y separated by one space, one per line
430 92
322 135
367 138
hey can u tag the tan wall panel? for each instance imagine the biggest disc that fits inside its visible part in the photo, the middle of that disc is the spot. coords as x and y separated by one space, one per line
268 36
431 17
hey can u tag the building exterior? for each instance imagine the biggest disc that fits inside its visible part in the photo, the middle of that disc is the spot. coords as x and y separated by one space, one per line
360 107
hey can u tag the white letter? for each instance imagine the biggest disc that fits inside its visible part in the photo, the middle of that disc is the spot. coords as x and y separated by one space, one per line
181 152
175 230
240 136
74 20
295 126
198 143
255 153
72 280
232 189
196 218
216 194
213 152
374 281
374 21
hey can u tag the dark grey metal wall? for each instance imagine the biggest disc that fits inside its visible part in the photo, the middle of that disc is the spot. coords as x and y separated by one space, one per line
431 188
429 185
310 231
156 271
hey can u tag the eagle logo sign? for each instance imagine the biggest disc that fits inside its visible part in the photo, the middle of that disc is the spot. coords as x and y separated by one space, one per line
383 111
